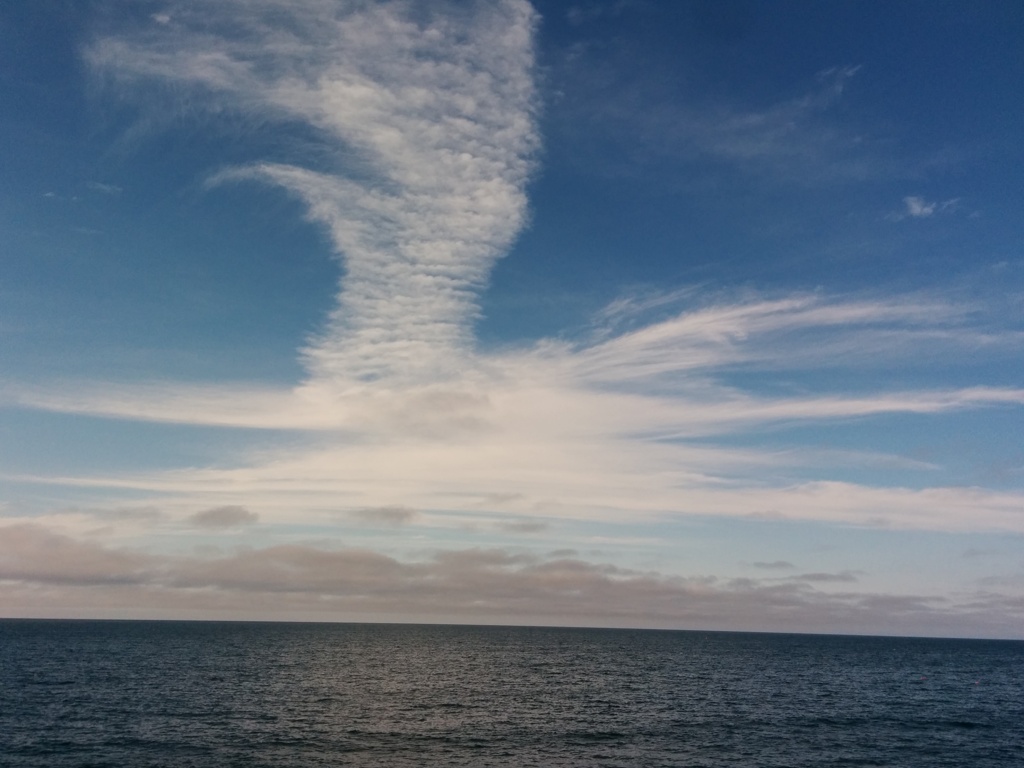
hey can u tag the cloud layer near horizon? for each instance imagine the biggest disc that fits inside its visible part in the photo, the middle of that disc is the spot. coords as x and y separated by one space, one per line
303 582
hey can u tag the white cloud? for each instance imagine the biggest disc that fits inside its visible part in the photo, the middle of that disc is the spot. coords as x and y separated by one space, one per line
918 208
614 430
663 372
915 207
432 118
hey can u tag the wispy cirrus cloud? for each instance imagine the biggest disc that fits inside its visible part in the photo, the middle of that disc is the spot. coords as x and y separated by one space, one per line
106 189
796 140
606 429
915 207
670 366
787 138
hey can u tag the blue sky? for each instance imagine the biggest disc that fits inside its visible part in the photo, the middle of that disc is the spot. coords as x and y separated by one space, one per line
700 315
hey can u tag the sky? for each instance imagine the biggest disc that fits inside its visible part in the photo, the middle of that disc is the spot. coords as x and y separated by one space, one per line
692 315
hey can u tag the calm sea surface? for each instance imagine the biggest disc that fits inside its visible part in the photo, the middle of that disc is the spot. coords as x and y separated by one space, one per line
84 693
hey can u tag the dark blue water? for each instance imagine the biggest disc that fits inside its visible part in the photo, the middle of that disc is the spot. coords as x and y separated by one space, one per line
235 694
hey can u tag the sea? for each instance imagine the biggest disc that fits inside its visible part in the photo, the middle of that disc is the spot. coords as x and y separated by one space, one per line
215 694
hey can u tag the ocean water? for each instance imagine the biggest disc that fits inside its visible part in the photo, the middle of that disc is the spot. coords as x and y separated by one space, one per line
89 693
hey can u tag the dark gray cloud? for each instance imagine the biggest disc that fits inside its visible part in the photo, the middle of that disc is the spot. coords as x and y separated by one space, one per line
149 514
388 515
43 573
230 516
774 565
31 554
826 578
492 499
562 553
523 526
973 552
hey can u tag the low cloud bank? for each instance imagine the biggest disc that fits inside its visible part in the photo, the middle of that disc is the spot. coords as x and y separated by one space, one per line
43 573
230 516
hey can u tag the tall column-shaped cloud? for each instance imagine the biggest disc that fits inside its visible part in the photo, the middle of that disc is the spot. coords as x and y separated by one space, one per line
426 115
